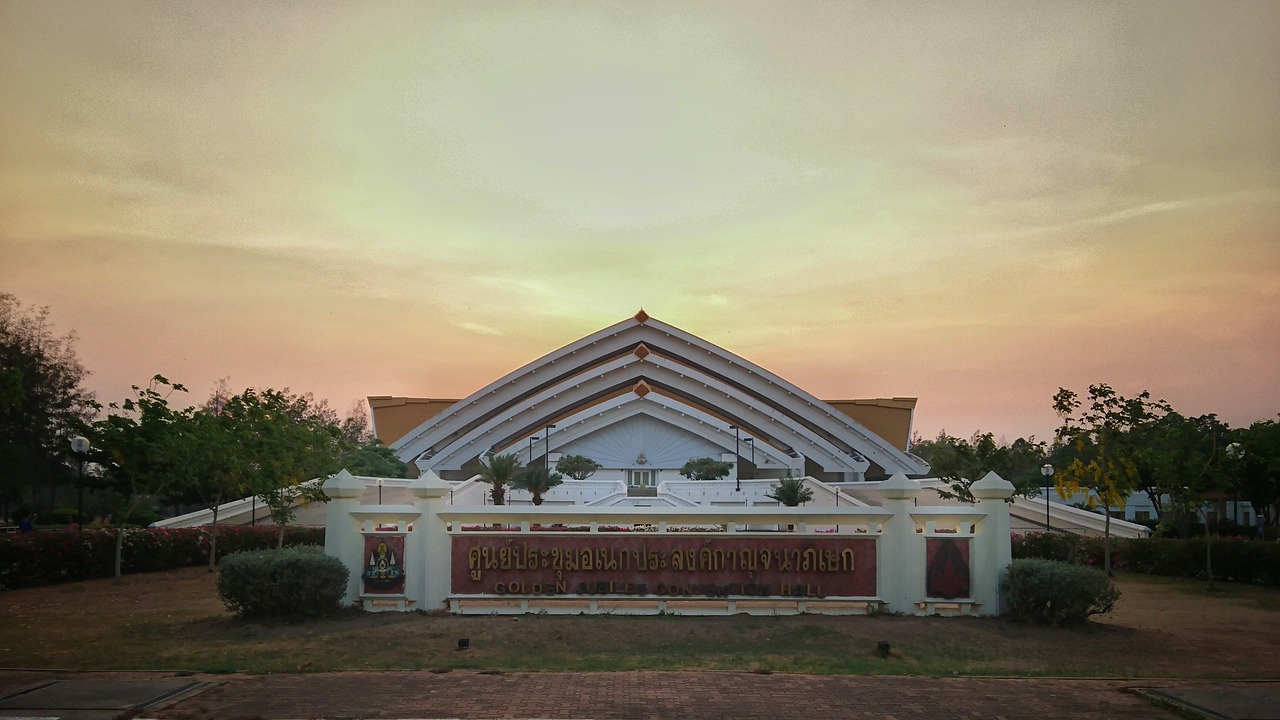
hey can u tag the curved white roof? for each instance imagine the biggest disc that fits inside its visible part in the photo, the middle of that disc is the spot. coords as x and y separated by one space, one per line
644 366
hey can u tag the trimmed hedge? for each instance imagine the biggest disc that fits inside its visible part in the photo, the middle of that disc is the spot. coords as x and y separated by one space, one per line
295 582
43 557
1050 592
1234 559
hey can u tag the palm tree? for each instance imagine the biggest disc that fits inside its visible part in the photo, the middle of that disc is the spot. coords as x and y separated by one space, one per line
537 480
791 492
498 471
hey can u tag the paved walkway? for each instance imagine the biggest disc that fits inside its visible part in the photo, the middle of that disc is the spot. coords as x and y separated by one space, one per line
644 695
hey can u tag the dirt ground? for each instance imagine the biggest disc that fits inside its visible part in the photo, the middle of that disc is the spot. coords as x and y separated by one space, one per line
174 621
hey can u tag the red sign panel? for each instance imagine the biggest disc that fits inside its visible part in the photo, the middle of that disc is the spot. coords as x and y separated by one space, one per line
664 565
947 562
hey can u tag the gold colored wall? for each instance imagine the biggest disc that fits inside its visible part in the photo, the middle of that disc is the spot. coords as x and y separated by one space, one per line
394 417
890 418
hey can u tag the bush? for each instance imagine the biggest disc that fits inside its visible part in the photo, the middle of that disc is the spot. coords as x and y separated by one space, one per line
1234 559
64 516
297 582
142 517
1045 546
45 557
1048 592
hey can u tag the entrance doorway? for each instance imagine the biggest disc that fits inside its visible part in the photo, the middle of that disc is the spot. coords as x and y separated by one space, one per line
642 478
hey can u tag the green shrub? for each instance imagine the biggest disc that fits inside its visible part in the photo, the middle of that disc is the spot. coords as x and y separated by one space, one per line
1234 559
1045 546
45 557
142 517
295 582
1049 592
62 516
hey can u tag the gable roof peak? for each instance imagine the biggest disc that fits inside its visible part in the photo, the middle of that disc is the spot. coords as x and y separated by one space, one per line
641 316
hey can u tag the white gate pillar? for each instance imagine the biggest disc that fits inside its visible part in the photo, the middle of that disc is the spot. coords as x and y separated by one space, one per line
431 547
993 549
900 555
342 536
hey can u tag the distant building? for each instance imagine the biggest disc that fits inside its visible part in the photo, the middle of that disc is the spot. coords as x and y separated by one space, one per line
641 398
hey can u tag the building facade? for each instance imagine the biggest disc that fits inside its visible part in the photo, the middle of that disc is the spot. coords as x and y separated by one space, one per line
642 398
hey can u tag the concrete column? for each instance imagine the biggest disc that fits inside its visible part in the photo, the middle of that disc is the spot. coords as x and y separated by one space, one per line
342 536
900 560
432 546
992 551
796 466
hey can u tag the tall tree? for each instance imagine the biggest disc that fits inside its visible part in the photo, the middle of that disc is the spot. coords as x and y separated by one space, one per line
499 471
287 440
373 459
537 481
144 448
960 463
705 468
578 467
220 467
356 426
1257 468
1179 462
42 402
1101 437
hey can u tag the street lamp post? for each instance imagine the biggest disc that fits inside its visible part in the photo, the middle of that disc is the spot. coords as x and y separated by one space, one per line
546 458
737 456
1235 452
80 446
1047 471
532 440
752 443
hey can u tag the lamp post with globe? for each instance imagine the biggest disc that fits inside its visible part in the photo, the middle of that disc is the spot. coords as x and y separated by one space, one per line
80 446
1047 471
1235 451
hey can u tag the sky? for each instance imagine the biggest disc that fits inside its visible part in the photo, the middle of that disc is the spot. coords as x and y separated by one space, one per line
970 203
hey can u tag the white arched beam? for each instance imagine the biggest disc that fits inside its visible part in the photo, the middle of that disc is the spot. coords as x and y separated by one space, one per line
631 369
566 365
664 409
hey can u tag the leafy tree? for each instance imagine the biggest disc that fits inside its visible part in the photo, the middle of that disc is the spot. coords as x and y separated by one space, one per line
221 468
143 448
537 481
1257 468
499 471
286 440
356 427
1104 467
791 491
578 467
373 459
42 403
705 468
1179 459
960 462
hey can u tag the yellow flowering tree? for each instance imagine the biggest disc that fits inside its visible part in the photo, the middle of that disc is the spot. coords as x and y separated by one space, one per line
1097 437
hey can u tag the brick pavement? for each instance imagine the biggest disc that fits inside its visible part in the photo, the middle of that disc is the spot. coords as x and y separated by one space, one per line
644 695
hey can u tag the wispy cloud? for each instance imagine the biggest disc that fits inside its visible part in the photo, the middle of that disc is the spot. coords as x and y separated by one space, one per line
478 328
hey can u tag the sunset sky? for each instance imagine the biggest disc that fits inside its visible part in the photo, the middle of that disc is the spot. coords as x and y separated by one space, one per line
972 203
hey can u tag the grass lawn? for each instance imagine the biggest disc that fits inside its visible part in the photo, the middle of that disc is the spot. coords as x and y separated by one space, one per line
1161 627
